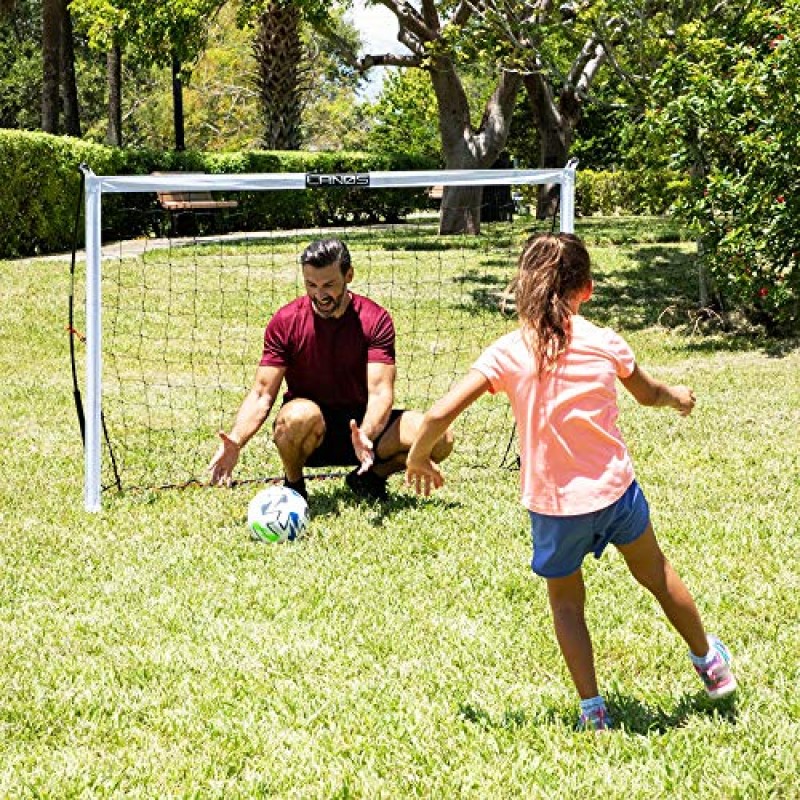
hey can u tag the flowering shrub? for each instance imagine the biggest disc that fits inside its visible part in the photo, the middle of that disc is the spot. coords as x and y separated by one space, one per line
725 106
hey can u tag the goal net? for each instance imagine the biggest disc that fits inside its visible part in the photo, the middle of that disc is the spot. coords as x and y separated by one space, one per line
174 319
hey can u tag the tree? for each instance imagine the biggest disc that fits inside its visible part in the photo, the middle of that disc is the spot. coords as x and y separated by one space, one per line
114 82
334 116
556 51
69 86
166 34
282 68
561 50
722 110
405 116
52 18
59 88
431 33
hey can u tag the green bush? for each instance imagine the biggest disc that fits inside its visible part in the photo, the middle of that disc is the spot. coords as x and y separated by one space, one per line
628 192
40 180
41 183
725 106
621 192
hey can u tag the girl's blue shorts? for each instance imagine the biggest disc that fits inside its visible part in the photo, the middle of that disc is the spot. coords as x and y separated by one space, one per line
561 543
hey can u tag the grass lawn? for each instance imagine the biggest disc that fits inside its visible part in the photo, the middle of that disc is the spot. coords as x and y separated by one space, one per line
406 650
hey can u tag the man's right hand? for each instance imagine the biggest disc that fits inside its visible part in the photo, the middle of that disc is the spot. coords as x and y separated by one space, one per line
221 466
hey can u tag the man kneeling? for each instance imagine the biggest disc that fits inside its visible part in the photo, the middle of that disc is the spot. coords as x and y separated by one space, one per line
335 349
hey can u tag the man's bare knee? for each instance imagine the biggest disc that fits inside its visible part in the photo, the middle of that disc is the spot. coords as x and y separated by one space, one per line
298 421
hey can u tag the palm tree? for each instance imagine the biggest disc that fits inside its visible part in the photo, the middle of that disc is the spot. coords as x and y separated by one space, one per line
280 56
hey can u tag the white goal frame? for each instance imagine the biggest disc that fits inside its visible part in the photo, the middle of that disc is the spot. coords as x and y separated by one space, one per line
98 185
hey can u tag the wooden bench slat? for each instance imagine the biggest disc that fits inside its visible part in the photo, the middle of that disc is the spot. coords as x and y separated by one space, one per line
186 201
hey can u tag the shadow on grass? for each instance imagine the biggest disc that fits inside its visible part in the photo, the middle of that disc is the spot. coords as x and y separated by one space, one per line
330 505
633 716
641 718
509 720
629 714
659 287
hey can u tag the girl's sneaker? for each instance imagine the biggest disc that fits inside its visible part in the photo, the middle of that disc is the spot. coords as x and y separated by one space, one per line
597 720
717 677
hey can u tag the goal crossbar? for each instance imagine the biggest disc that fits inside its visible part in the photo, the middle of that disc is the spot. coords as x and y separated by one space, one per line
254 182
98 185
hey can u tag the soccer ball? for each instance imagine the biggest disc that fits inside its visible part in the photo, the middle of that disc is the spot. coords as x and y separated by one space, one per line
277 514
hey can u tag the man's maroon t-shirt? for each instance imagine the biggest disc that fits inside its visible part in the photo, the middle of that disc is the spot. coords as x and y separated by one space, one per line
326 359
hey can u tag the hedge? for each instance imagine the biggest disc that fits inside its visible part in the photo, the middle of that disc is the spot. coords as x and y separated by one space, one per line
40 177
644 191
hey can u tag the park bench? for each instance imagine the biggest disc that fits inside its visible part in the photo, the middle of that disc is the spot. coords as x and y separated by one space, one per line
191 201
176 203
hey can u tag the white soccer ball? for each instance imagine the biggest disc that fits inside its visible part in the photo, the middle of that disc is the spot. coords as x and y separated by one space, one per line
277 514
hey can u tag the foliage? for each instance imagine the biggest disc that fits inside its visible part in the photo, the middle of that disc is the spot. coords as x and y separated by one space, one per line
336 120
41 179
20 67
219 100
334 116
724 107
21 70
608 120
406 116
220 103
633 191
158 31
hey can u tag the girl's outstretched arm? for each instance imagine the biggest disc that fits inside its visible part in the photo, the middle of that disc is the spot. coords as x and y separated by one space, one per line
651 392
421 472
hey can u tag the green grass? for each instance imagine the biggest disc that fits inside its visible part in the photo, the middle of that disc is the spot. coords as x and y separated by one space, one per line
153 650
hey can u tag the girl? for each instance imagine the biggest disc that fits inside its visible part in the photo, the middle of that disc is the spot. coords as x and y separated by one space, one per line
559 372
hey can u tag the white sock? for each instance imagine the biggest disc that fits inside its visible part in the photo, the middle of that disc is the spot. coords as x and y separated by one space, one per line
703 661
592 704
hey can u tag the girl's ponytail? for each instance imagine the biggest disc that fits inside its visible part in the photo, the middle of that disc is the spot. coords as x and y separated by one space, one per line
553 269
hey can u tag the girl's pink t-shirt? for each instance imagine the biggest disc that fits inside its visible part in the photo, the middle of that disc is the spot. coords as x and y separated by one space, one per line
573 457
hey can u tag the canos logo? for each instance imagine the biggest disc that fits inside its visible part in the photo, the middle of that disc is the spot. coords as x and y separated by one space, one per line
317 181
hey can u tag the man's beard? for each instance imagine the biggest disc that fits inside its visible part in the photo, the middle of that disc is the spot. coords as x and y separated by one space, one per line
329 309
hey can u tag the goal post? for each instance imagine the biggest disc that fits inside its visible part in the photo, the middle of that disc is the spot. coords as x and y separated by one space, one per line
97 187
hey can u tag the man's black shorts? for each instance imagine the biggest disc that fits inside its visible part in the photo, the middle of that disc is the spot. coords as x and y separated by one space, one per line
337 445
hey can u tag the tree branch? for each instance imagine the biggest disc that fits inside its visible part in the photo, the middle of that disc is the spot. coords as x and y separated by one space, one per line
387 60
498 112
409 18
431 15
462 14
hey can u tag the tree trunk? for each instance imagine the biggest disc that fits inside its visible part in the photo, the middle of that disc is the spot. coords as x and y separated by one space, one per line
461 210
698 172
69 87
177 104
280 54
554 144
467 148
52 16
555 125
114 75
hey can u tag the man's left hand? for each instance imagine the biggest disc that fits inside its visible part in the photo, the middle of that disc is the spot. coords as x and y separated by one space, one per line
364 449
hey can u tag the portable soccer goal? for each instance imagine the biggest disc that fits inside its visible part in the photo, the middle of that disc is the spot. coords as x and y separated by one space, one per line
174 319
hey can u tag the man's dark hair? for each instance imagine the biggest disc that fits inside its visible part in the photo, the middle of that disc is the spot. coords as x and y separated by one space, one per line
324 252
